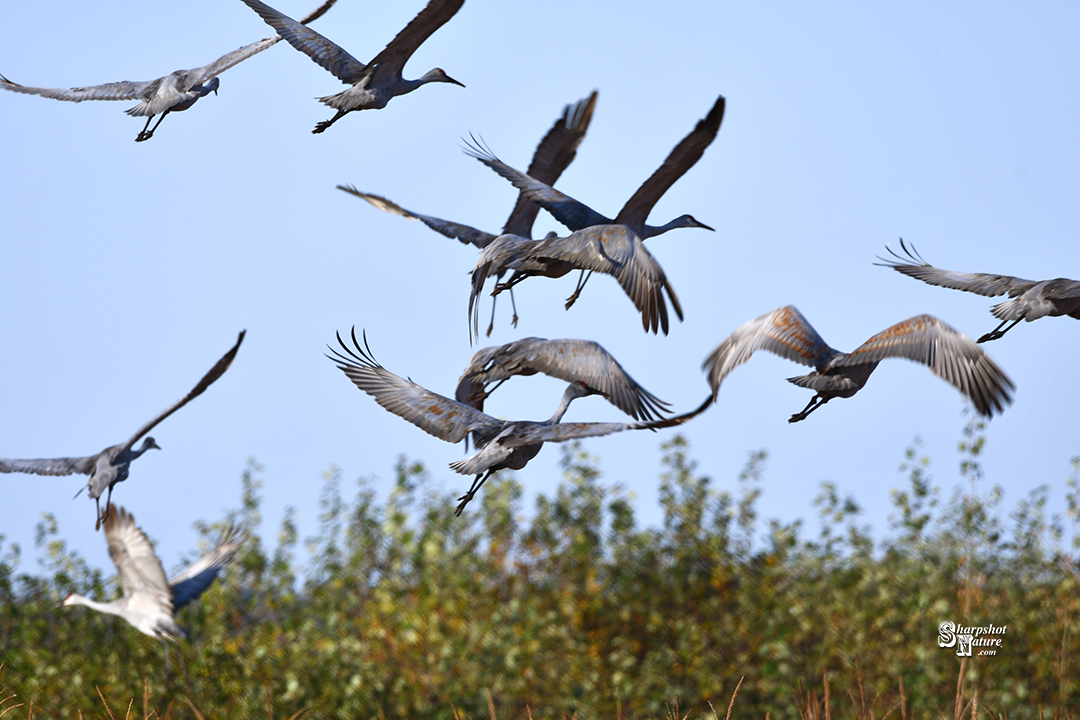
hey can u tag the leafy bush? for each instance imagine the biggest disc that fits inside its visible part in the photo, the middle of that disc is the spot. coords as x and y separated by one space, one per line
403 610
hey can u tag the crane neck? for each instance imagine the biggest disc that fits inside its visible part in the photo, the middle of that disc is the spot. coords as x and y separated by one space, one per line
569 396
111 608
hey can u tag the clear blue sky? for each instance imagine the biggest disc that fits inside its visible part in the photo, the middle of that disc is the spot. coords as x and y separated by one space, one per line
130 267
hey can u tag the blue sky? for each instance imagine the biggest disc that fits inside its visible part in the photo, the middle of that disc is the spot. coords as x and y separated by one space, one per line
130 267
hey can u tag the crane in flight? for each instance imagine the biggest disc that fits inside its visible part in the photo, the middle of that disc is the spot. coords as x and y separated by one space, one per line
501 443
553 155
1031 299
576 215
570 360
373 85
149 602
112 464
614 250
172 93
949 354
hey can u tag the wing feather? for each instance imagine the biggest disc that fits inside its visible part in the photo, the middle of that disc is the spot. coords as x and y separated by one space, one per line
434 15
683 157
215 372
192 581
50 466
570 212
124 90
327 54
784 332
436 415
141 573
463 233
571 360
553 155
987 284
951 355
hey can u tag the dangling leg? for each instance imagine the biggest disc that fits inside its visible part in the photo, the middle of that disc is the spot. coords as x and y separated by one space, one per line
514 306
481 395
582 279
509 284
108 501
998 332
327 123
491 325
815 402
147 135
464 499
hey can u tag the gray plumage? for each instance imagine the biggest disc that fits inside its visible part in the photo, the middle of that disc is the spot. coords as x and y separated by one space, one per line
949 354
149 602
501 443
111 465
610 249
1031 299
577 215
174 92
374 84
555 152
571 360
557 149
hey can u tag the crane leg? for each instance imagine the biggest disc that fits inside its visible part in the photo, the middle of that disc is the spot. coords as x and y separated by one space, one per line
147 135
491 325
815 402
582 279
509 284
464 499
998 332
320 127
514 306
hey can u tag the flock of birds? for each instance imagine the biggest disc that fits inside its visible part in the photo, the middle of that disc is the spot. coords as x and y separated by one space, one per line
594 243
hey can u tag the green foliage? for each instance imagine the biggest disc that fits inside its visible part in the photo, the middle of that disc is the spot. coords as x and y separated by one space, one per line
403 610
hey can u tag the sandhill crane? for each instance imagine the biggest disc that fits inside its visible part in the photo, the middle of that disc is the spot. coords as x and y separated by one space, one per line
614 250
149 603
374 84
172 93
949 354
111 465
501 443
1031 299
577 215
555 152
571 360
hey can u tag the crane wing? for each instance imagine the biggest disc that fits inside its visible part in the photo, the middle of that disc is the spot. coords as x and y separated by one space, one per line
463 233
989 285
568 359
436 415
784 332
50 466
215 372
552 156
436 14
616 250
327 54
192 581
679 160
951 355
570 212
141 573
125 90
223 63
